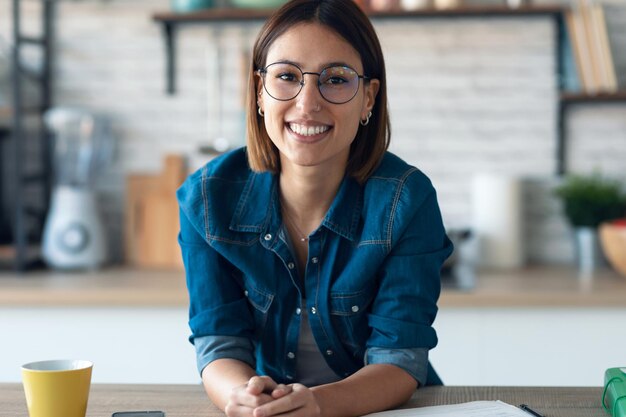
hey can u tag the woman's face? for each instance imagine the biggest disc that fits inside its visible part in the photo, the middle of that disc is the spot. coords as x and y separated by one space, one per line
308 130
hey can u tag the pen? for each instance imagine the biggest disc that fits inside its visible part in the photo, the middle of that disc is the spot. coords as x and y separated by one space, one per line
529 410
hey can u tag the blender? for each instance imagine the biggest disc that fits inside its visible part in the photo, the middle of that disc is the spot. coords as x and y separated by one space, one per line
74 235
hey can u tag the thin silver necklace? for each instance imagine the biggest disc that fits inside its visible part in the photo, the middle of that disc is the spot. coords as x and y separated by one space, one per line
303 237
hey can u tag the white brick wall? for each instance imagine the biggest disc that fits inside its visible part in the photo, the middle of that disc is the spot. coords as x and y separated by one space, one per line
466 95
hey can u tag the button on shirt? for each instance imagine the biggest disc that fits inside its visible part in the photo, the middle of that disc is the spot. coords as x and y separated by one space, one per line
371 282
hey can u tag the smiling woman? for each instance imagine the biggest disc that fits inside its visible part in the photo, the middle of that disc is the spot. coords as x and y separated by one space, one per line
313 255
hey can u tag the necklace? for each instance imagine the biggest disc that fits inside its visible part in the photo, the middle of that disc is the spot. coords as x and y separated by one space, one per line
303 237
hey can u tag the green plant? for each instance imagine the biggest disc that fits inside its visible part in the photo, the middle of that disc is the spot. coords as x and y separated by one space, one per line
591 200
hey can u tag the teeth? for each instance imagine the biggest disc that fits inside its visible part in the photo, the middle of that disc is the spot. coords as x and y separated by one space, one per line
307 130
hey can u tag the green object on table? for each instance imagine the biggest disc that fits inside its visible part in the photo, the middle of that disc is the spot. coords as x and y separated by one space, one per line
190 5
614 395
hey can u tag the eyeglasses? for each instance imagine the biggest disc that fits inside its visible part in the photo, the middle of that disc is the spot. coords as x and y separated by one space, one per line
337 84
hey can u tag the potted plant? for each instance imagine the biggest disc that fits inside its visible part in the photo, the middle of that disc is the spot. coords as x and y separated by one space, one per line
587 202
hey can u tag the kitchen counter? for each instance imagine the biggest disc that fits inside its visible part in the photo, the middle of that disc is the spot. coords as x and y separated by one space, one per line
540 286
115 287
527 287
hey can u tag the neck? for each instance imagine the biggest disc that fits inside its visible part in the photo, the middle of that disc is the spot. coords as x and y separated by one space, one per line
307 194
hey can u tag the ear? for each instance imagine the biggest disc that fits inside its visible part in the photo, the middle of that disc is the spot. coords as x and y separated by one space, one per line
259 89
371 91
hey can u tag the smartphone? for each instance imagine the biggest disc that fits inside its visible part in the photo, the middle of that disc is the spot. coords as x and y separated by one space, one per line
138 414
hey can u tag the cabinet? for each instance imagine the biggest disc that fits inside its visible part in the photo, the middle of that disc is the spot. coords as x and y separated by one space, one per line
170 22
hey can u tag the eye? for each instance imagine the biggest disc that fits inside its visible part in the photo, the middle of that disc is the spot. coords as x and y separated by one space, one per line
287 77
337 76
336 80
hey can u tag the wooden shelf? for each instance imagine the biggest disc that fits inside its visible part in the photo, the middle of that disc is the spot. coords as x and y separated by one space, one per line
572 98
217 15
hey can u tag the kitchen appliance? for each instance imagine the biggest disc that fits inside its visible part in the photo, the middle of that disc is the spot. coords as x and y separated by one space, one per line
459 270
74 236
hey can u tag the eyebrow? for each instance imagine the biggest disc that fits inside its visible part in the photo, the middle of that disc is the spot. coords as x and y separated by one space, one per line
326 65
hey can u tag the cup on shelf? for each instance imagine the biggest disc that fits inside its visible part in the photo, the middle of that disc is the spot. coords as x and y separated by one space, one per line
57 387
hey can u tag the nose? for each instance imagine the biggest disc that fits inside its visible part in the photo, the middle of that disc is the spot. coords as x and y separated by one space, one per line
309 99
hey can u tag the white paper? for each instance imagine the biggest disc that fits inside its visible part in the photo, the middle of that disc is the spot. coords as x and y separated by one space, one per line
474 408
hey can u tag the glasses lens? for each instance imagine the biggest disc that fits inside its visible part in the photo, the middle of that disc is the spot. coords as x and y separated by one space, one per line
282 81
339 84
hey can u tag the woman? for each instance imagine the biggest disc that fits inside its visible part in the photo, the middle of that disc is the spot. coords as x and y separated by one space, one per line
313 255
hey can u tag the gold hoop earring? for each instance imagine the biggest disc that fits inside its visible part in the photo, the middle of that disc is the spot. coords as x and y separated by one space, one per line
260 112
366 121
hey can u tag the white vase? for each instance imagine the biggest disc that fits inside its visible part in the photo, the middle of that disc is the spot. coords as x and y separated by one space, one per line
588 252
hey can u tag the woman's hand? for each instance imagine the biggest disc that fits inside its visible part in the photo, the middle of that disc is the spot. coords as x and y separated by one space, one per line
300 401
259 390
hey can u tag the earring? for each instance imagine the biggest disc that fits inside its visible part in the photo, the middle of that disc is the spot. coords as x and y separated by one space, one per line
366 121
260 112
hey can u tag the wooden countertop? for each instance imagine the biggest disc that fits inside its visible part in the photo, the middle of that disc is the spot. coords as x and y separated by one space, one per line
113 287
190 400
118 287
540 286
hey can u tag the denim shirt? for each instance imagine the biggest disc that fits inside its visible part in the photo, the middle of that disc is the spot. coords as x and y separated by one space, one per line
371 279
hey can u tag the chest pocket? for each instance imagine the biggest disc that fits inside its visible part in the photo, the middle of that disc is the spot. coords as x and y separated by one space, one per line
349 316
260 302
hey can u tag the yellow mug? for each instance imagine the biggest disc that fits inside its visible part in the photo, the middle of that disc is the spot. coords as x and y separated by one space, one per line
57 388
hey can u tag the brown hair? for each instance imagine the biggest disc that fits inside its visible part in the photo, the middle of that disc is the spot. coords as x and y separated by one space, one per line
346 19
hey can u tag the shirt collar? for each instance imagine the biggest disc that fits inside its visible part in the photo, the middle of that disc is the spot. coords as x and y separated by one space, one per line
261 191
345 211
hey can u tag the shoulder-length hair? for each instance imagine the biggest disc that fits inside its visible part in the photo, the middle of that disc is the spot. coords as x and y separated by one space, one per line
346 19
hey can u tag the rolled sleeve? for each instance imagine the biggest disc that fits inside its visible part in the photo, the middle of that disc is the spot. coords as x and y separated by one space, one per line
211 348
414 361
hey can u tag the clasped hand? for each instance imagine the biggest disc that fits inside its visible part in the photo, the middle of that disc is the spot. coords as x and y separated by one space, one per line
262 397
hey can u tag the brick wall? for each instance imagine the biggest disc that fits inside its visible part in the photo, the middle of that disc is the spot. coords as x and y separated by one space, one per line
466 96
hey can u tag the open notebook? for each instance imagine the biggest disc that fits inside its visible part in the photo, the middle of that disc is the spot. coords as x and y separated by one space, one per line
474 408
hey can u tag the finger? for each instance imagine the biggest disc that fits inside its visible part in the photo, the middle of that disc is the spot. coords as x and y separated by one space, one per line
241 397
254 400
235 410
290 402
281 390
259 384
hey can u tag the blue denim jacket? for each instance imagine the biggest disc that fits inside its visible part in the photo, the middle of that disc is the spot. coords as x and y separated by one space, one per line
371 280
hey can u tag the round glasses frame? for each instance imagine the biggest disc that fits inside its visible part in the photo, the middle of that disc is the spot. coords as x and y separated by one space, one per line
263 72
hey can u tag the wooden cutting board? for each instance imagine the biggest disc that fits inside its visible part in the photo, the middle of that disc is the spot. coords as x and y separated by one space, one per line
152 224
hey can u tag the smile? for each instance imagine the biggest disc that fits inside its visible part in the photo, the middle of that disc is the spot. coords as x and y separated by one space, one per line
307 130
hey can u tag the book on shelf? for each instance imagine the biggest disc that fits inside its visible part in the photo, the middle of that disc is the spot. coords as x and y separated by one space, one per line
572 62
604 46
588 37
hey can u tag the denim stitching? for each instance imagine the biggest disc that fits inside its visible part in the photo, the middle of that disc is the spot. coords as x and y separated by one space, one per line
205 199
234 242
395 205
244 197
